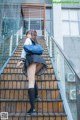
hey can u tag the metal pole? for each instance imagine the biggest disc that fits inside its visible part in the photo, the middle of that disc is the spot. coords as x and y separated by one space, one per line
21 32
17 36
47 39
45 34
10 50
50 47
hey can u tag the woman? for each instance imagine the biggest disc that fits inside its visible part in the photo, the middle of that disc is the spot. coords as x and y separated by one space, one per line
34 65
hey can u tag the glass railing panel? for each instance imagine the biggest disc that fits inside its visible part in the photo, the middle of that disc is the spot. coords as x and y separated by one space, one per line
7 47
69 79
70 89
4 50
14 41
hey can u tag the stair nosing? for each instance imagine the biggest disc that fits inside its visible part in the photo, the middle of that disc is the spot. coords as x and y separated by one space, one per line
27 80
38 114
27 100
23 74
55 89
19 59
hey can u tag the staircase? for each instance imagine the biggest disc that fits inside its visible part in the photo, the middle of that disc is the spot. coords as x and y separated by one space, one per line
14 96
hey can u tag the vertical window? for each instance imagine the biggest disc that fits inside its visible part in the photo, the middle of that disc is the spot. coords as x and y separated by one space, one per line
78 15
74 28
65 15
65 28
47 14
48 25
48 19
73 15
35 24
71 22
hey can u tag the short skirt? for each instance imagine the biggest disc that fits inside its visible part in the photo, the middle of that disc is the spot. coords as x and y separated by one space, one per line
34 59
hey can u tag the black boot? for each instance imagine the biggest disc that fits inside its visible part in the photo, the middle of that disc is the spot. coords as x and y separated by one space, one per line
37 98
31 94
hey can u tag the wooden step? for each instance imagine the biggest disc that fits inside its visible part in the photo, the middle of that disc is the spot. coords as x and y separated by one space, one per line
43 45
18 55
18 58
9 76
18 84
19 70
15 61
21 46
14 65
19 93
38 116
19 52
43 106
42 42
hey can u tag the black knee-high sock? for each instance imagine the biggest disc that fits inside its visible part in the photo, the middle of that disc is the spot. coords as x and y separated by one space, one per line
31 93
36 89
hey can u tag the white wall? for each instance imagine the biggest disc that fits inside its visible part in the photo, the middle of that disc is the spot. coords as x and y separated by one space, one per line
57 24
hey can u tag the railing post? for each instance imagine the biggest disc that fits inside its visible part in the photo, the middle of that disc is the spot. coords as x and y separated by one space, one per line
50 47
45 34
21 32
58 63
47 39
10 49
17 36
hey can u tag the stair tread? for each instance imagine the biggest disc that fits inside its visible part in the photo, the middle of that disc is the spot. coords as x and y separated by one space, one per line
4 73
27 80
26 100
19 67
20 57
48 89
12 58
38 114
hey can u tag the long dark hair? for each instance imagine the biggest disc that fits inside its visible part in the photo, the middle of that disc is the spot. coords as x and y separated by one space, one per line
33 33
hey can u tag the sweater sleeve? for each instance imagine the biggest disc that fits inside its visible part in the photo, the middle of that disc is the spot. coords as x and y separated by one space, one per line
23 54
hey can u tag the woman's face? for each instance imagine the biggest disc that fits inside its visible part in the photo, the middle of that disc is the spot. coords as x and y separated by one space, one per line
28 35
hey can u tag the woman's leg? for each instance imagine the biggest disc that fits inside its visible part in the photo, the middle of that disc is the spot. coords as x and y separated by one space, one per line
31 91
36 90
38 67
31 70
37 98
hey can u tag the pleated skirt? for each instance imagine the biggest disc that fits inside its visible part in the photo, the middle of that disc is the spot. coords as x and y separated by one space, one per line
34 59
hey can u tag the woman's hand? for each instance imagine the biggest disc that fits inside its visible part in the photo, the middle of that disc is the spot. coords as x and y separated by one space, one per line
20 63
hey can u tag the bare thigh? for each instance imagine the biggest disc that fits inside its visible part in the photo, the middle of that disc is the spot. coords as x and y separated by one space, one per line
31 70
38 67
